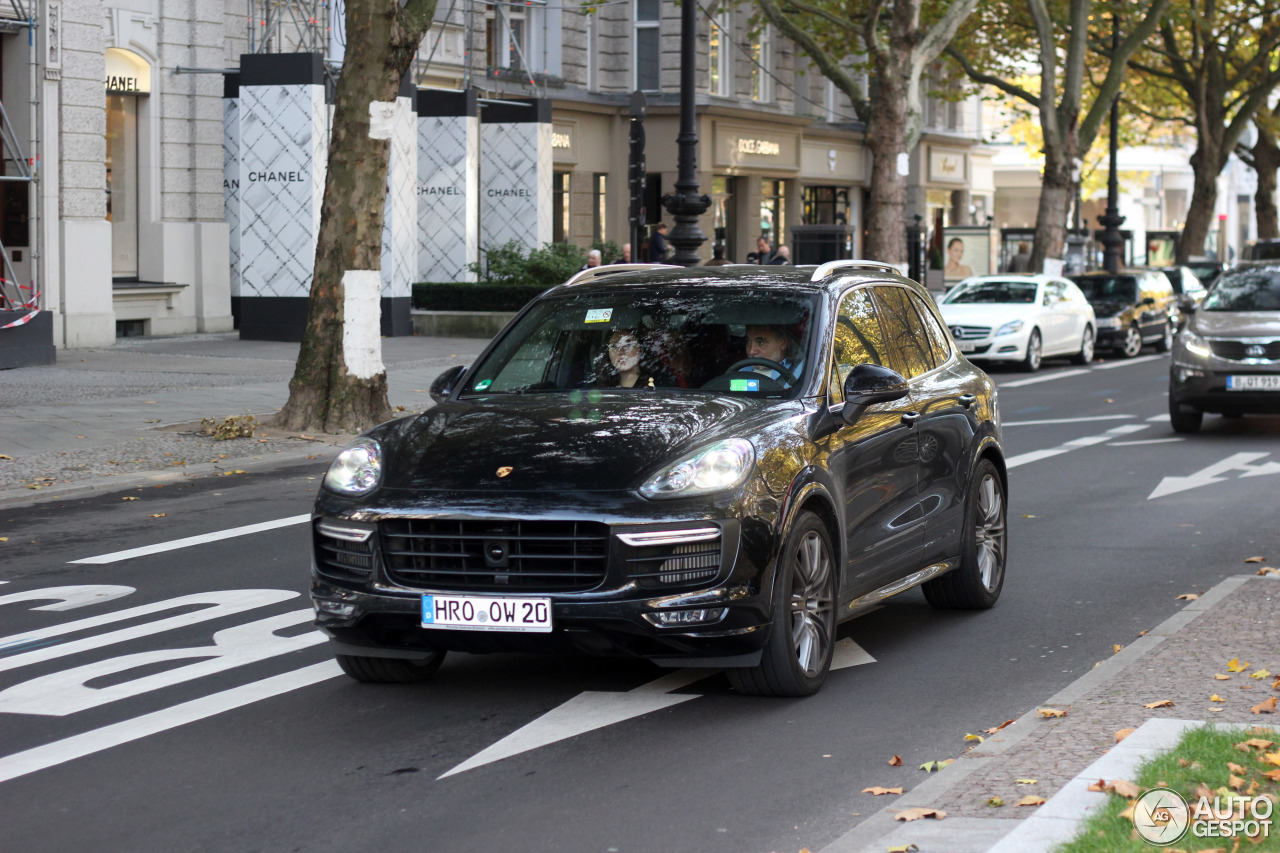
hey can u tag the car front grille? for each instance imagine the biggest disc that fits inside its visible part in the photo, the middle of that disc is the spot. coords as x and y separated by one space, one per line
543 556
343 552
675 565
1239 350
970 333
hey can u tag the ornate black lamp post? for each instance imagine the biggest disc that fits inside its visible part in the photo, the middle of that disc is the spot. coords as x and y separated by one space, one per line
1111 220
686 204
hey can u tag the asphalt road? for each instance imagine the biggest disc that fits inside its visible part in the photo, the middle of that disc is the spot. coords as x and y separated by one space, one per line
186 705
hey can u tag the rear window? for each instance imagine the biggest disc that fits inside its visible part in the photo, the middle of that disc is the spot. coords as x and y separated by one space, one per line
1245 290
1103 288
992 292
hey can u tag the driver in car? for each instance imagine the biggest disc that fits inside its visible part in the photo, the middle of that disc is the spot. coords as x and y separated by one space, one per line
776 344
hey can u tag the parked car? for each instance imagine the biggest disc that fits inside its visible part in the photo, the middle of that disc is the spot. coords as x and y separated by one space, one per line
1191 292
1133 307
1266 249
1227 359
796 444
1019 318
1206 270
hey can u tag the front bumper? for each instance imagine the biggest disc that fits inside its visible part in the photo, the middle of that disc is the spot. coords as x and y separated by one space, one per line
1004 348
1203 387
1110 338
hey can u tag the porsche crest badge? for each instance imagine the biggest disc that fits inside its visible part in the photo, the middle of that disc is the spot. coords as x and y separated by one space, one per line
504 470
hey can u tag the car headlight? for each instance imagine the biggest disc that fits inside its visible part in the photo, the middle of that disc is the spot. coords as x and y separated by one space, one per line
1108 322
1195 344
713 468
357 470
1009 328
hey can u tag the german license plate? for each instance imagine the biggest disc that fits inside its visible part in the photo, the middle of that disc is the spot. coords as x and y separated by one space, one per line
1253 383
966 346
482 613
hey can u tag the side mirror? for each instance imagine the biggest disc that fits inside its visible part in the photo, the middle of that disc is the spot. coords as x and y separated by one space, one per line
867 384
444 384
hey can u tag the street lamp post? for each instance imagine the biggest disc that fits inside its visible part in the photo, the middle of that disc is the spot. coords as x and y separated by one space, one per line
686 204
1111 220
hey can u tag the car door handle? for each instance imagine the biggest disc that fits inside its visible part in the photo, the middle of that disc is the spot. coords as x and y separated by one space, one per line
968 400
910 418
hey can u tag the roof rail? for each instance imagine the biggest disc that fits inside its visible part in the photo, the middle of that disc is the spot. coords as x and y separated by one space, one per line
606 269
850 265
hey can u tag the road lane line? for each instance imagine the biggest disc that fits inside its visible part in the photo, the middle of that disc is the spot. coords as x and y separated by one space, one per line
1044 377
81 745
175 544
1067 420
1113 364
1074 444
1144 441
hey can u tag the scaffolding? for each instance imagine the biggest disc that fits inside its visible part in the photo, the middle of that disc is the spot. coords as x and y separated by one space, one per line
15 16
291 26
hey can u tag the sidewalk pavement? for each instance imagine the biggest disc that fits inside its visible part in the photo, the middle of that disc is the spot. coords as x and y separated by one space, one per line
114 418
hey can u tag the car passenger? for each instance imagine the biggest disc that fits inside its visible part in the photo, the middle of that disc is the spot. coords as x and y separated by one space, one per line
623 370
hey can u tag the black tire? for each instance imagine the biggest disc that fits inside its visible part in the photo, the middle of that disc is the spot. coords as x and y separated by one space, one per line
390 670
1132 343
1087 341
1166 338
976 583
797 655
1035 352
1184 421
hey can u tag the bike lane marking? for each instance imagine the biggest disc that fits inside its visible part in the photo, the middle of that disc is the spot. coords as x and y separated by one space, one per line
1073 444
175 544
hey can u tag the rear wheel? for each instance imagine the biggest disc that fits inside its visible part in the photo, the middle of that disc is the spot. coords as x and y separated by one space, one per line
1031 361
1182 420
1086 347
1132 343
390 670
797 655
976 583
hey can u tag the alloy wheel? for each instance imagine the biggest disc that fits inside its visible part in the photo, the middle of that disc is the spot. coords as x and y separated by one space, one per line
989 532
1086 345
1132 342
811 603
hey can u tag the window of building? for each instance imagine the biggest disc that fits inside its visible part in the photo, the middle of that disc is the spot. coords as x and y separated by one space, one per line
719 45
647 44
762 65
825 205
599 208
122 183
508 37
560 207
773 210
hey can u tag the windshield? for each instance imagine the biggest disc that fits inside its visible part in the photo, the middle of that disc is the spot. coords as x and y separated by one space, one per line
991 292
1101 288
1245 290
659 340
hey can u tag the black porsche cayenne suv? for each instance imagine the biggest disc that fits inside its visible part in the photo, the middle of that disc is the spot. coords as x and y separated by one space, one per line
701 467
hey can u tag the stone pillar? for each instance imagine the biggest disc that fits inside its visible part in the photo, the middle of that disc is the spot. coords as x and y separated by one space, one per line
448 185
515 174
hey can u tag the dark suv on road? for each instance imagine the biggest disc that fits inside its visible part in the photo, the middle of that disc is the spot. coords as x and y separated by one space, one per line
1133 308
701 467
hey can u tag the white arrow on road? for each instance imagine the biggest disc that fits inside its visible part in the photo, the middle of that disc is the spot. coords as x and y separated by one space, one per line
596 709
1214 474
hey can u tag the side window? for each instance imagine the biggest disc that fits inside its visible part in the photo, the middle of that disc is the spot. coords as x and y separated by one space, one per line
1054 290
905 337
939 340
858 339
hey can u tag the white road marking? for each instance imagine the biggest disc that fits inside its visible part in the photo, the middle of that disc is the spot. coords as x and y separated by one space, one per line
175 544
78 746
1074 444
1211 474
1144 441
1067 420
594 709
1043 377
1157 418
1113 364
69 597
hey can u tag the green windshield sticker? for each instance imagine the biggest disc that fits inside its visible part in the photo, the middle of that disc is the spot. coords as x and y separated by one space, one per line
483 384
599 315
744 384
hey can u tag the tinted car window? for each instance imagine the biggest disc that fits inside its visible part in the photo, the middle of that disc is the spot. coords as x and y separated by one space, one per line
1245 290
907 341
858 339
939 340
684 337
1101 287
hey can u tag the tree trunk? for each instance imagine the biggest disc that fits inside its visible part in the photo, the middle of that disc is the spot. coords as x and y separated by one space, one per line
1266 160
1205 166
886 133
334 389
1056 194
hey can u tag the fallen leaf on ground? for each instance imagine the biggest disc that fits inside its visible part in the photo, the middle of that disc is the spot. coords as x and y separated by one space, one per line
1026 781
896 761
1030 800
1235 782
159 514
995 729
1163 703
1115 648
978 738
1127 814
1267 706
1142 633
1268 570
1188 596
1254 743
1262 673
1221 677
128 498
4 538
1235 768
919 812
1124 788
1253 559
2 456
1270 757
1273 775
1216 698
995 802
877 791
904 848
1203 790
1050 713
1100 786
1028 516
1124 733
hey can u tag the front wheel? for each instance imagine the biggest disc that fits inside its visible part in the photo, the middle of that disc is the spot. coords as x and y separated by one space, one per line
976 583
797 655
1132 344
1184 421
390 670
1031 361
1086 347
1166 340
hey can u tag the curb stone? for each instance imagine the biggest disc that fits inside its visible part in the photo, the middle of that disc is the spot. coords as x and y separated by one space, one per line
873 833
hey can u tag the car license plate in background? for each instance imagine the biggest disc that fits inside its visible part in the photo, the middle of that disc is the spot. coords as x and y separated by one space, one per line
479 613
965 346
1253 383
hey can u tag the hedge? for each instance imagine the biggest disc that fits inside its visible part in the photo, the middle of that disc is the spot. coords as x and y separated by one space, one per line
428 296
